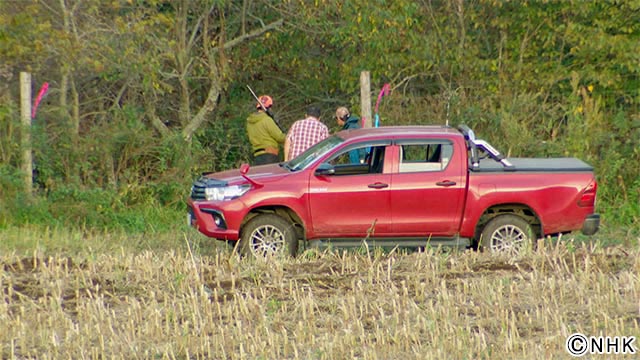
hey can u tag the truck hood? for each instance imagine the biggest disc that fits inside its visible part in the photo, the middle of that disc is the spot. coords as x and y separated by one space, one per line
262 174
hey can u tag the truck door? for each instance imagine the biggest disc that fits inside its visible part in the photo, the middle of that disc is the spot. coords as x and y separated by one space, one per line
354 200
428 188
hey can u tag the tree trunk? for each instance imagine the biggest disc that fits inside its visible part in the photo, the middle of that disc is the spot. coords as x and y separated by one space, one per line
217 69
74 122
182 61
200 117
156 122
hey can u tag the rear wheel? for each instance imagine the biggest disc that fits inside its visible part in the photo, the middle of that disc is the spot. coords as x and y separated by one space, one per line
506 234
268 235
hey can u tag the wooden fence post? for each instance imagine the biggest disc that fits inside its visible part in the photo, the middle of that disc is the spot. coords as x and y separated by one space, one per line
25 131
365 98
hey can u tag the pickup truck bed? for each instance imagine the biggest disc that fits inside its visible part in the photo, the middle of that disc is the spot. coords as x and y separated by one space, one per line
536 165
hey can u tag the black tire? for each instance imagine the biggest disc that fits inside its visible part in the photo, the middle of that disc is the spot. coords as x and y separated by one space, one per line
268 235
506 234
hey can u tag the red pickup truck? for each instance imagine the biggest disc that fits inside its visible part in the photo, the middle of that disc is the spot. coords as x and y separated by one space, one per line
405 186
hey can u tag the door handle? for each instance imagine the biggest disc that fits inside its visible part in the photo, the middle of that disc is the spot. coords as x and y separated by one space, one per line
378 185
446 183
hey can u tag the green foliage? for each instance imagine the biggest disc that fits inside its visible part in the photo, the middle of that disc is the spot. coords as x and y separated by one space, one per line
88 209
15 206
537 78
225 142
9 131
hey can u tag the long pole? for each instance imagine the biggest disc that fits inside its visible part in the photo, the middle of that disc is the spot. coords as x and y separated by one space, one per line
25 131
365 98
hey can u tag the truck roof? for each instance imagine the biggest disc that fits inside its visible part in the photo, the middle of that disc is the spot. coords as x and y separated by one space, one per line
399 131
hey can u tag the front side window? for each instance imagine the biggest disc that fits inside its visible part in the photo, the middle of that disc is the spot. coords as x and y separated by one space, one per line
311 154
421 157
362 159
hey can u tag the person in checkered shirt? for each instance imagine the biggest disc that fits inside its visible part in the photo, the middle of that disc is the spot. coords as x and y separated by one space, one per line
305 133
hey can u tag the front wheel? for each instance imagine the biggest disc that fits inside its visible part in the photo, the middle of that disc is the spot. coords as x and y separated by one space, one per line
268 235
506 234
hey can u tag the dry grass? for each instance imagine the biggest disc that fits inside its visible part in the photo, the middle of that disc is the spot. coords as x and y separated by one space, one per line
333 305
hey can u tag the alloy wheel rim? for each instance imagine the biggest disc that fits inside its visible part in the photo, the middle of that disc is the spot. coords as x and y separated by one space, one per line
508 239
267 240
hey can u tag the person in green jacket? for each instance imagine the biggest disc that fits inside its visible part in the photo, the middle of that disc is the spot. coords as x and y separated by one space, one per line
264 134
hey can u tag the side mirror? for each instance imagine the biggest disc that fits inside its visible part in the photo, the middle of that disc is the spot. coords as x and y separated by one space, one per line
244 169
325 169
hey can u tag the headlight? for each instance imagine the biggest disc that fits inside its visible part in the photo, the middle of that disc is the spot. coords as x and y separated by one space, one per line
225 193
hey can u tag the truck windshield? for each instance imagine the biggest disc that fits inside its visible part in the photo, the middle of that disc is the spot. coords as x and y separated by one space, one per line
311 154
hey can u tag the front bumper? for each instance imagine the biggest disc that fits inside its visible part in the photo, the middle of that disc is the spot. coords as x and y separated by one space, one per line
591 224
215 221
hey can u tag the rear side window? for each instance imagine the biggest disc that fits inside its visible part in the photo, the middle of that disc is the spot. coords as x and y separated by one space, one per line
422 157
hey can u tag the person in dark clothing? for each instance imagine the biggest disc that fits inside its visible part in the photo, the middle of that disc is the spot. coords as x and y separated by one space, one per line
346 120
264 134
349 121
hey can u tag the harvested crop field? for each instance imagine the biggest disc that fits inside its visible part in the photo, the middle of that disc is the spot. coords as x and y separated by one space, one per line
331 305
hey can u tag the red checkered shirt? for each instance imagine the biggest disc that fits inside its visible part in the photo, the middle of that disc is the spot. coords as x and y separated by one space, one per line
304 134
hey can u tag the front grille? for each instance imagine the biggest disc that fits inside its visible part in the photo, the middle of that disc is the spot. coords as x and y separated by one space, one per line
197 189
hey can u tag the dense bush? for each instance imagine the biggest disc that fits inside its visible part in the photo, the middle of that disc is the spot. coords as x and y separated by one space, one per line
146 96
